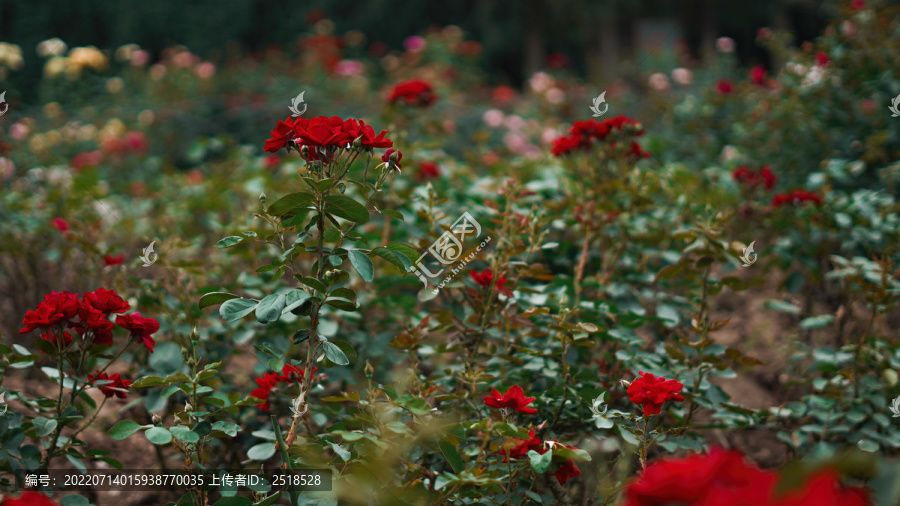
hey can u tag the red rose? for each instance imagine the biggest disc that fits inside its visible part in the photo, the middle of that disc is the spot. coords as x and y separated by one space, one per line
60 224
564 144
824 488
356 128
107 301
118 386
66 303
769 178
266 384
45 315
521 449
718 478
386 158
413 92
113 259
514 399
141 328
93 318
86 158
724 86
53 339
758 75
322 132
29 499
651 392
292 373
857 5
428 170
283 133
796 197
822 59
566 471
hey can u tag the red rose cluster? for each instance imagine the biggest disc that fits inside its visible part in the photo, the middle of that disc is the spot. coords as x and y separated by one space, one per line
651 392
583 134
751 179
93 310
289 374
515 399
485 277
723 477
118 386
796 197
323 136
28 499
413 92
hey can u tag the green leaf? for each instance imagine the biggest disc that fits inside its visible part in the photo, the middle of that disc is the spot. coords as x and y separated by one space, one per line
288 203
44 426
294 299
269 309
347 208
229 428
452 456
540 463
147 381
816 322
229 241
184 433
341 304
213 298
334 353
158 435
404 249
362 264
235 309
262 451
75 500
346 348
394 257
781 305
392 214
340 451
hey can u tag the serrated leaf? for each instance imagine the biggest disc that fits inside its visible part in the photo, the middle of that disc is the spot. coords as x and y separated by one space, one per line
229 241
362 264
269 308
334 353
346 208
289 202
235 309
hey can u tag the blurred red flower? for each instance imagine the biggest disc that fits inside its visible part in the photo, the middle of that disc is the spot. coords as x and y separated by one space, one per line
753 178
485 277
796 197
566 470
428 170
86 158
522 447
60 224
53 338
514 399
651 392
113 259
724 86
413 92
822 58
758 75
29 499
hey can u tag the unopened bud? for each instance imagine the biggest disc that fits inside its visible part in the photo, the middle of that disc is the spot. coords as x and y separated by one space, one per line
262 198
304 151
357 143
156 419
625 383
188 408
369 369
395 156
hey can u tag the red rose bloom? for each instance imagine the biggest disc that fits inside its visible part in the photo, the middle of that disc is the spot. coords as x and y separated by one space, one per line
356 128
857 5
514 399
566 471
93 319
564 144
60 224
758 75
724 86
698 479
45 315
521 449
117 387
485 277
428 170
651 392
66 303
292 373
141 328
107 301
752 179
824 488
29 499
283 133
266 384
54 339
822 59
796 197
113 259
413 92
584 133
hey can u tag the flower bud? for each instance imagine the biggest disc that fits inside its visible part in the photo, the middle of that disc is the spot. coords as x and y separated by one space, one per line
357 143
304 152
188 408
262 198
369 369
156 419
